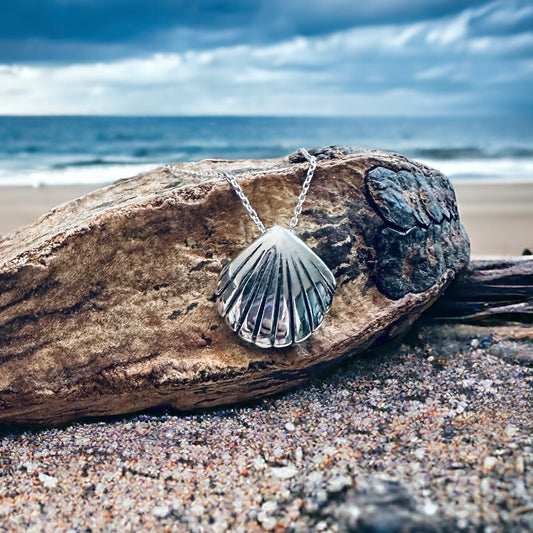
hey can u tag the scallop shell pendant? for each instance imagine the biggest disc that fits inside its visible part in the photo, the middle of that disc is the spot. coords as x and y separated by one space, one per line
275 292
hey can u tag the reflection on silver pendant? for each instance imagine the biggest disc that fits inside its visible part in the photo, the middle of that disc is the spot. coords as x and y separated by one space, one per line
275 292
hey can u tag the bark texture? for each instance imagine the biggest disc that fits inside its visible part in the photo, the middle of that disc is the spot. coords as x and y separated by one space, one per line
492 300
107 302
490 292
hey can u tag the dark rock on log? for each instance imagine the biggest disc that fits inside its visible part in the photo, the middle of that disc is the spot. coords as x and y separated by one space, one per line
416 208
106 302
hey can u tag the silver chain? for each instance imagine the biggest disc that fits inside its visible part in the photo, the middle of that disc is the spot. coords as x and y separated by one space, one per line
305 187
232 180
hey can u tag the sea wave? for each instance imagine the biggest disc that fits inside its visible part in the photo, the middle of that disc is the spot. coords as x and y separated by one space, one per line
473 153
96 162
75 175
505 170
100 172
143 151
71 150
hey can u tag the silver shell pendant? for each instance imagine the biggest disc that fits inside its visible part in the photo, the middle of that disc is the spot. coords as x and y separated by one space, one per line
275 292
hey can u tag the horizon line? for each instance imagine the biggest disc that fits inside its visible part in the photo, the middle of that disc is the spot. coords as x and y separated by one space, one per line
513 113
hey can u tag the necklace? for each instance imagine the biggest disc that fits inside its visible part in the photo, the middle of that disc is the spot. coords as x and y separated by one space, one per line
276 292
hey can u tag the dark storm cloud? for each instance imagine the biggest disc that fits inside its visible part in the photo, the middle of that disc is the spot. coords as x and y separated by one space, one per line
114 20
266 56
35 30
315 18
504 18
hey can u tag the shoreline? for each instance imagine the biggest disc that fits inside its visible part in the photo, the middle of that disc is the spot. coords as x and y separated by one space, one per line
497 216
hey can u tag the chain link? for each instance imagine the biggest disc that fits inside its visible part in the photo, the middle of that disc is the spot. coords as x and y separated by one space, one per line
305 187
232 180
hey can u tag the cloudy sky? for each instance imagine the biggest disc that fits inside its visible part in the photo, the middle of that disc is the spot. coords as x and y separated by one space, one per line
266 57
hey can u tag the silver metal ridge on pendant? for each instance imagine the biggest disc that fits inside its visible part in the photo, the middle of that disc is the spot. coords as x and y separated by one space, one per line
275 292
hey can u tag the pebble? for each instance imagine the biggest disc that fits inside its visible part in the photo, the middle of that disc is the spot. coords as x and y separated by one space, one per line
267 521
161 511
269 506
284 472
49 482
511 431
338 483
430 508
489 463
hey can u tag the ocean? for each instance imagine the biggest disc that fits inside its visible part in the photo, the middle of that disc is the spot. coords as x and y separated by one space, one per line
40 151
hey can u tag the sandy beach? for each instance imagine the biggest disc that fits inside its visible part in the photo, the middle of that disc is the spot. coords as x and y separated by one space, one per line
497 217
411 437
23 205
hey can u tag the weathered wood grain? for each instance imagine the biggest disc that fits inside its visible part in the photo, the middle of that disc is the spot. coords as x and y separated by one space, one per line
491 301
490 291
106 303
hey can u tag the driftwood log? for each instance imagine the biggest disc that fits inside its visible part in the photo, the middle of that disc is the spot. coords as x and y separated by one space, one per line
106 302
491 303
490 291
